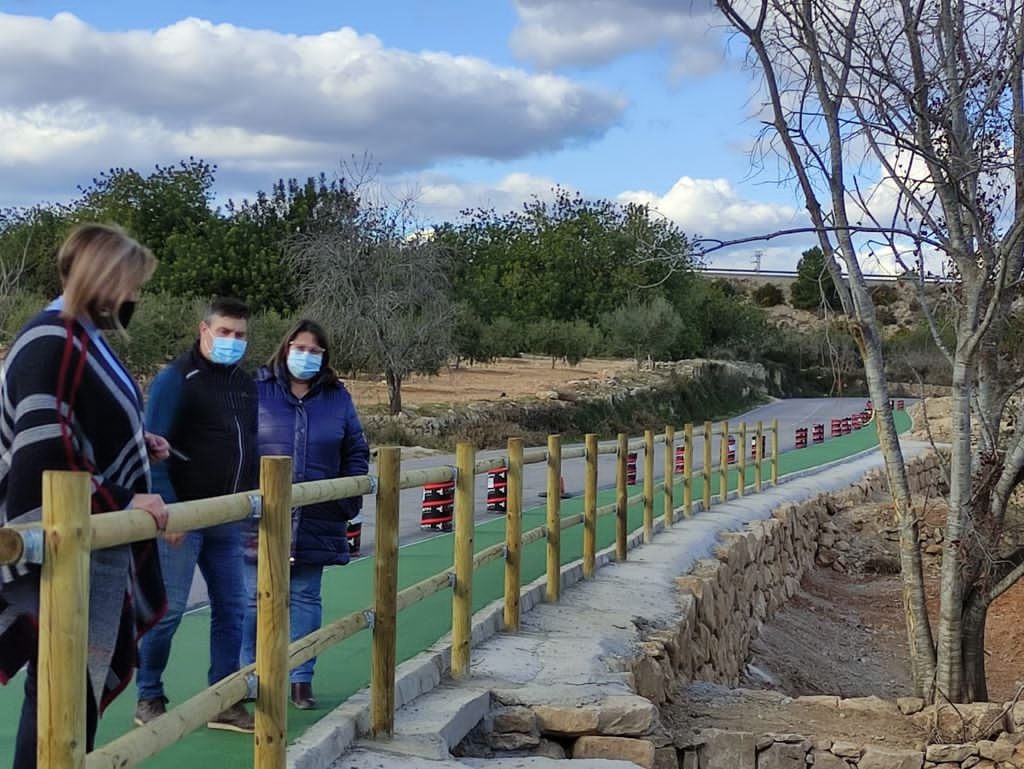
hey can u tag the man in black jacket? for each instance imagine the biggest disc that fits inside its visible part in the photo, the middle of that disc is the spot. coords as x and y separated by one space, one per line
206 407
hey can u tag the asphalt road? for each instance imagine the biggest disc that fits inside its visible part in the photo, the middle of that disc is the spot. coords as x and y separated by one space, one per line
791 413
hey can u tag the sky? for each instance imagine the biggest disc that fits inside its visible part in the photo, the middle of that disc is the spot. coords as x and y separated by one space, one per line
460 103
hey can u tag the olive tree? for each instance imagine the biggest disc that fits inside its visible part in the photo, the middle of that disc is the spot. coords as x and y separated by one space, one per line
381 288
902 124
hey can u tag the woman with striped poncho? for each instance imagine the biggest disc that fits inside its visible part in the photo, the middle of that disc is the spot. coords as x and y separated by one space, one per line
67 403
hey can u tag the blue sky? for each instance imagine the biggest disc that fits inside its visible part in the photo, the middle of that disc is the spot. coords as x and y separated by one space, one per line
467 102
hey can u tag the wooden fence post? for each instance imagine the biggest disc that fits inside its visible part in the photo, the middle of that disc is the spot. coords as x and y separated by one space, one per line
513 533
758 456
621 496
590 506
723 477
669 483
553 588
741 461
706 470
688 470
648 485
64 620
272 634
462 601
775 452
385 594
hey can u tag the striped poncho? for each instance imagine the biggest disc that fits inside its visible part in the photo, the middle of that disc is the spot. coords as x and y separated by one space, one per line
67 403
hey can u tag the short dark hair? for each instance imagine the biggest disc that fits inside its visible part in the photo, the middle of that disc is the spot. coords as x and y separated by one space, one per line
279 360
226 307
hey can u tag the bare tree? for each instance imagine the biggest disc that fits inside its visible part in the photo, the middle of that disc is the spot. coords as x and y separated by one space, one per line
902 124
381 288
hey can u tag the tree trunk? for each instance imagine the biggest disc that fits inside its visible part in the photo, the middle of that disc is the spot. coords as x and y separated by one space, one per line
915 606
949 657
975 687
394 392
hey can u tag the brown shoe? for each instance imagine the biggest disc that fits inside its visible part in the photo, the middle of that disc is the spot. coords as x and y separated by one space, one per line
234 719
147 710
302 696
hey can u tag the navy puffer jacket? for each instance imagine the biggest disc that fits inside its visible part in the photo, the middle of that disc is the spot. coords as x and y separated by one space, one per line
323 435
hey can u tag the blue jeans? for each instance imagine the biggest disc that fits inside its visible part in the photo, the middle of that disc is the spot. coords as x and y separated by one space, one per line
305 612
218 553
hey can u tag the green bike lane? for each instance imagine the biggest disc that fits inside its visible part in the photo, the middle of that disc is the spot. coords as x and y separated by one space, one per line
345 668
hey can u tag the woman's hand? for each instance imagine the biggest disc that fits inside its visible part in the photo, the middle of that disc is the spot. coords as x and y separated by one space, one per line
154 505
157 447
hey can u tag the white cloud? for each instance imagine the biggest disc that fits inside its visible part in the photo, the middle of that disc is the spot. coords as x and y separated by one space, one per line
81 98
712 208
556 33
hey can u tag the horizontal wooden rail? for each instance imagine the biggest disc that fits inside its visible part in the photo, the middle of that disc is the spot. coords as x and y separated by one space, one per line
410 479
306 648
488 554
571 520
494 463
139 744
124 526
424 589
330 489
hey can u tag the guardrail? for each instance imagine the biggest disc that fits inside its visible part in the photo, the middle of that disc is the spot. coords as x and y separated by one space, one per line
63 542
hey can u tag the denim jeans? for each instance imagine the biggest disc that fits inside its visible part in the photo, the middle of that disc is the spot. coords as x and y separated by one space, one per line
218 553
305 612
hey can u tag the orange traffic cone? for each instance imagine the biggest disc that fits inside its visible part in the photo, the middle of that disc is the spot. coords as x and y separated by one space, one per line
562 493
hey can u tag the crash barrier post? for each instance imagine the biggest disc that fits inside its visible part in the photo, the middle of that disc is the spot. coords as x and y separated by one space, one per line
438 506
818 433
899 405
631 458
497 490
800 437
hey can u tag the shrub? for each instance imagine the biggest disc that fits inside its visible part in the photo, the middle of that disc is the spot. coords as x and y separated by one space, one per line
884 295
768 295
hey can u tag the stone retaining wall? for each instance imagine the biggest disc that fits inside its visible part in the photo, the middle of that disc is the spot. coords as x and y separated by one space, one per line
724 600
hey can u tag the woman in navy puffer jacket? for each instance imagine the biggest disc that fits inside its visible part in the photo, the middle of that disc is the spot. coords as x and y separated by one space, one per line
306 413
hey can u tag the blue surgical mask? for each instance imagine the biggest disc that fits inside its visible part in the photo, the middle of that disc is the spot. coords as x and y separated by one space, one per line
304 365
227 350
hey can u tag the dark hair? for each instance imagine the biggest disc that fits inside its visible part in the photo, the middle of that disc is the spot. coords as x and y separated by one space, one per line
226 307
278 362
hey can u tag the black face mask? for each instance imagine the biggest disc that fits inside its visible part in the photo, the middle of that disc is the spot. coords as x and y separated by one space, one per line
105 321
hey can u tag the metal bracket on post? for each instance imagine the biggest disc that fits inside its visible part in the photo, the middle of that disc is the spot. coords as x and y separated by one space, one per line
32 540
256 506
451 579
371 618
455 473
252 686
504 552
374 484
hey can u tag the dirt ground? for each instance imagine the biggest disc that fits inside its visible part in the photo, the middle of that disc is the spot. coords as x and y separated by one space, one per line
504 378
843 634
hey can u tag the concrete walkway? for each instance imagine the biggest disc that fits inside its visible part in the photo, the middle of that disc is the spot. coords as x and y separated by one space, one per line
564 654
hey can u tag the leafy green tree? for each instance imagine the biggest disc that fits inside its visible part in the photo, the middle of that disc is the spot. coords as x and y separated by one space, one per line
647 329
568 340
382 289
813 287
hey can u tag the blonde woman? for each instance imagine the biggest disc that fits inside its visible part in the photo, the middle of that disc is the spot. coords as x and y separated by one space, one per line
68 403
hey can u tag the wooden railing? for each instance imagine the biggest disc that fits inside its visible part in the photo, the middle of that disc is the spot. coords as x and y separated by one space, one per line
69 533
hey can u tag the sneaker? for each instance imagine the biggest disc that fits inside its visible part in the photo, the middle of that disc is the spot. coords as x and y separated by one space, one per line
149 709
234 719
